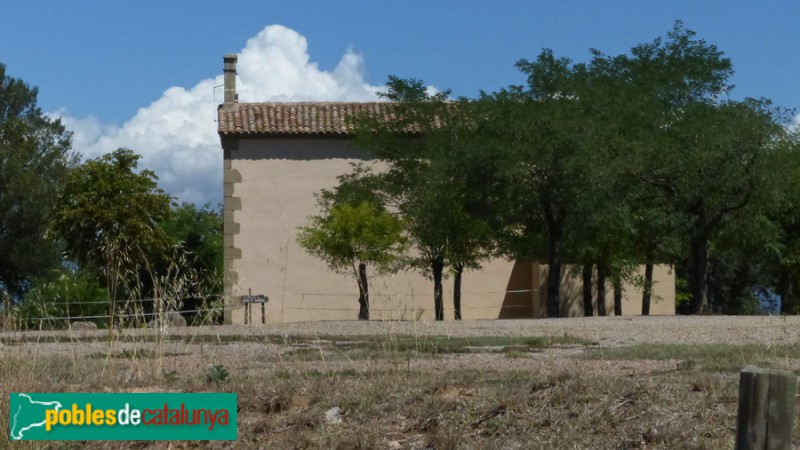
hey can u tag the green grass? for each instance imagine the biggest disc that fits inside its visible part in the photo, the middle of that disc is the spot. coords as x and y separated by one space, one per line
405 347
710 357
449 345
428 344
137 353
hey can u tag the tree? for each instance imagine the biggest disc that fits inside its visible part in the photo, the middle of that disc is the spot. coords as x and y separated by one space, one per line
198 233
354 230
426 146
443 230
753 255
711 169
65 293
643 227
691 160
35 157
107 216
787 218
541 135
648 132
695 157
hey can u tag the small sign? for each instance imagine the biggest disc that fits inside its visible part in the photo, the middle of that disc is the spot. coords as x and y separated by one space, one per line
256 299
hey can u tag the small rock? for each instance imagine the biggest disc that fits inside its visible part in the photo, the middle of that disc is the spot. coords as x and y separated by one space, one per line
127 377
170 318
82 325
175 319
394 445
334 415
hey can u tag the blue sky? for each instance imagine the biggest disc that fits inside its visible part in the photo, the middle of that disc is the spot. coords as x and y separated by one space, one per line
141 74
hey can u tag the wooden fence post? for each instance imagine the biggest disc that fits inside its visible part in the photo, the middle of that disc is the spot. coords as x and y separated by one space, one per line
766 409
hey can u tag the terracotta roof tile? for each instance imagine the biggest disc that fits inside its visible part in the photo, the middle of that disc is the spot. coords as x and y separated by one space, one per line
294 119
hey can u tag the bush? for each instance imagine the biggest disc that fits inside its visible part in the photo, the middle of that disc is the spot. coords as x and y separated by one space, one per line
68 295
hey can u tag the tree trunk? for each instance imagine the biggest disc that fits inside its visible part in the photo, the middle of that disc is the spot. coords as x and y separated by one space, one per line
112 283
785 292
457 291
363 292
617 282
601 290
588 311
699 260
438 268
554 279
647 290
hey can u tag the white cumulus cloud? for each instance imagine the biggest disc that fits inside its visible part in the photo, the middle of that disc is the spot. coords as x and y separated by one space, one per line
176 134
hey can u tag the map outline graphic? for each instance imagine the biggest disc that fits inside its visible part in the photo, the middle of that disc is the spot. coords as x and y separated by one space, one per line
20 433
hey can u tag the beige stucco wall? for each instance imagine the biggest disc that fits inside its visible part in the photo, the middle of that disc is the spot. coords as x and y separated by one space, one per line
279 178
662 297
269 193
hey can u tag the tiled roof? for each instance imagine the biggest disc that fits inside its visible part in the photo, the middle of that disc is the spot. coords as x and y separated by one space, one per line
294 119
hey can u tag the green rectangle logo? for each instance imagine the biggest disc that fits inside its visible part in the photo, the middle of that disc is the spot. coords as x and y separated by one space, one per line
122 416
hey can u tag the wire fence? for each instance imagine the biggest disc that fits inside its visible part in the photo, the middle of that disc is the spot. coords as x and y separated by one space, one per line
399 295
218 312
108 316
147 309
206 310
373 308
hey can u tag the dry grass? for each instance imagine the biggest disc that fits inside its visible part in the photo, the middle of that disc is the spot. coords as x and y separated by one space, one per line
558 391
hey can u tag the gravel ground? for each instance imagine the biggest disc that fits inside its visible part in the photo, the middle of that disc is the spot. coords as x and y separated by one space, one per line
606 331
261 369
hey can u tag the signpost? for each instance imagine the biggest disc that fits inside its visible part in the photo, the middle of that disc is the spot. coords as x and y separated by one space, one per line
249 300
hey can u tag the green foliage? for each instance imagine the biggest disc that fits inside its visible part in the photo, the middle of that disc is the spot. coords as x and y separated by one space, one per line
107 216
633 158
616 162
694 160
190 275
360 185
355 226
171 377
35 157
198 233
350 234
682 295
355 230
427 146
217 374
552 147
65 295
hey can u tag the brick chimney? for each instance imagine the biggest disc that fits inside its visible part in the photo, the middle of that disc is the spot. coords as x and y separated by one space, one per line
230 80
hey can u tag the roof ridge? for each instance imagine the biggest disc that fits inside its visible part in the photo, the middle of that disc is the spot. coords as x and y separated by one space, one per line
312 102
294 118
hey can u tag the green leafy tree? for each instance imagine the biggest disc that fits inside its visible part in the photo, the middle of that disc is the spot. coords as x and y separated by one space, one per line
690 160
107 216
752 257
643 227
787 219
65 294
650 126
713 169
427 146
696 158
198 233
35 157
541 134
353 231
